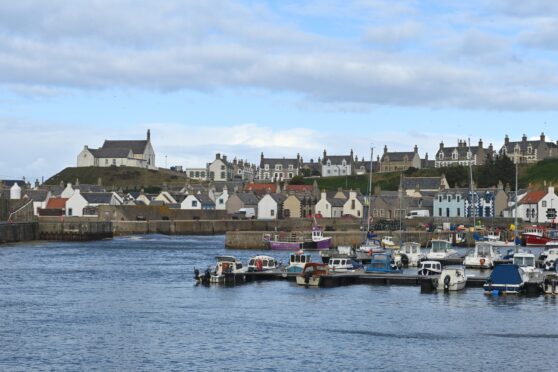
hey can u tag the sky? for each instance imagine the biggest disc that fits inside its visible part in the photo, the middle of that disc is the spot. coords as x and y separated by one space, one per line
280 77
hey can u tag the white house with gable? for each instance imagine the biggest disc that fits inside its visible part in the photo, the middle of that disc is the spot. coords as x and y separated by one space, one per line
270 207
85 204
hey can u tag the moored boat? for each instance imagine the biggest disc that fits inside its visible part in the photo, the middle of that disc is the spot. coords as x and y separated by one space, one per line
429 268
441 250
343 264
550 262
261 263
483 256
451 279
294 241
389 243
383 263
537 235
297 261
225 269
410 254
312 274
504 279
550 283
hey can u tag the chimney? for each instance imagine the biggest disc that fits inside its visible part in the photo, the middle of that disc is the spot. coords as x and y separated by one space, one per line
325 153
262 157
416 149
507 140
225 158
426 157
480 143
442 145
543 137
385 149
148 135
86 147
352 153
524 138
37 183
217 156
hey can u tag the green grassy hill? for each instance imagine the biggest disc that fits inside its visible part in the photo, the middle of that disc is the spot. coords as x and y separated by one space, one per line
127 178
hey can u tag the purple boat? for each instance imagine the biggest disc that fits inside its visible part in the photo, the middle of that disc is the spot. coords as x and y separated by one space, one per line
295 242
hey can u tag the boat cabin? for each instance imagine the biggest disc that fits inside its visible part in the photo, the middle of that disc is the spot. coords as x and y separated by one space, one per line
262 263
484 250
524 260
227 264
411 248
317 234
430 268
382 263
297 261
440 246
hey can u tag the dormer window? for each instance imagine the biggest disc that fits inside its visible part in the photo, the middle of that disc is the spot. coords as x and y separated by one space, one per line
291 167
278 167
469 155
441 156
329 163
454 155
266 167
529 150
517 149
344 163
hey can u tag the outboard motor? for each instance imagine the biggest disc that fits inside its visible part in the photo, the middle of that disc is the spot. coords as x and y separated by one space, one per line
196 274
206 276
447 281
307 276
405 260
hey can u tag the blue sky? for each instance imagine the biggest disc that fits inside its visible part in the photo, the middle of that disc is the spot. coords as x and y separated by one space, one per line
279 77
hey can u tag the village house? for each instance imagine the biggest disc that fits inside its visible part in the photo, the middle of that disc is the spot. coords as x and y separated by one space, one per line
463 154
85 204
299 205
197 202
278 170
419 186
243 170
330 207
529 152
399 161
533 207
450 203
338 165
354 205
200 174
220 169
138 154
54 207
40 199
270 207
242 200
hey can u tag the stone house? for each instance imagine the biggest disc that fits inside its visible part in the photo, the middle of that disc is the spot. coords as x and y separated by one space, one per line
338 165
463 154
400 161
240 200
354 205
278 170
85 204
197 202
535 204
529 152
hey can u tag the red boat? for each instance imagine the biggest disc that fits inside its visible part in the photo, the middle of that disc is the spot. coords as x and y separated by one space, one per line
535 235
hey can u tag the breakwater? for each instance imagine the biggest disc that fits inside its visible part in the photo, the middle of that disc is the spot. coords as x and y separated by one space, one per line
18 232
75 231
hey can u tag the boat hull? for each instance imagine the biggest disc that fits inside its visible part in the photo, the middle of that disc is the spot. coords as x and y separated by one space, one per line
314 281
478 263
320 245
535 239
550 285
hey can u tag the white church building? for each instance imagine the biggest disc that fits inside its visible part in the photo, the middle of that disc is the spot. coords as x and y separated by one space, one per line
138 154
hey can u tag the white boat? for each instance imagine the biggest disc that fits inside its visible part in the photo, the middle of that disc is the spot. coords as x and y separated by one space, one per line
226 266
261 263
483 257
441 250
428 268
410 254
343 264
550 284
451 279
387 242
551 259
370 247
527 267
297 261
312 273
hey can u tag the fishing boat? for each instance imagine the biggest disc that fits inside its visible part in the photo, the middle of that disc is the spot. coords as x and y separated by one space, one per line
537 235
441 250
457 239
383 263
451 279
224 271
312 274
410 254
297 261
429 268
343 264
295 242
261 263
483 256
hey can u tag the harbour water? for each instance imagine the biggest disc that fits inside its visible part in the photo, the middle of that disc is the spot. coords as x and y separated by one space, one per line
132 304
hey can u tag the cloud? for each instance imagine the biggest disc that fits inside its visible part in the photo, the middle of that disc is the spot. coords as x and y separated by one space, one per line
56 46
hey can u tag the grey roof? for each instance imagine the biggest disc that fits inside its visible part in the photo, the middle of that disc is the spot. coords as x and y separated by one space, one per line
89 188
284 162
399 156
97 197
37 195
337 159
248 198
422 183
137 147
179 197
205 200
461 151
524 145
279 198
10 183
337 202
156 203
111 152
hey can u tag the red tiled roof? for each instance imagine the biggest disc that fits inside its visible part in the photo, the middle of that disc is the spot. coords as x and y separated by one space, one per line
533 197
299 188
56 203
262 187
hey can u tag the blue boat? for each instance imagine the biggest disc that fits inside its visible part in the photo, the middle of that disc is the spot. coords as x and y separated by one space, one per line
383 263
505 279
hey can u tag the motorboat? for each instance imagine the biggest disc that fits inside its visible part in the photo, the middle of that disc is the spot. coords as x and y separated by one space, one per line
297 261
410 254
295 241
550 262
345 250
441 250
224 271
550 283
261 263
370 247
504 279
527 265
547 247
388 242
312 274
429 268
451 279
483 256
383 263
343 264
457 238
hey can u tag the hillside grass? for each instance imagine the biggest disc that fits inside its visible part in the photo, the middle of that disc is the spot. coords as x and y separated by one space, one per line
127 178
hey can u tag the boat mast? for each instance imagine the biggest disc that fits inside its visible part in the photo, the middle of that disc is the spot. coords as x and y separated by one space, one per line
370 189
516 187
473 204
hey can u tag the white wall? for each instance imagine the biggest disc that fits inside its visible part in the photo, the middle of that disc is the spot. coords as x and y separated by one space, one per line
75 204
265 207
221 201
323 207
188 203
358 208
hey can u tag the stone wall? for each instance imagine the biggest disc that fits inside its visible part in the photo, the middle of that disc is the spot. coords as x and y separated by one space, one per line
18 232
4 209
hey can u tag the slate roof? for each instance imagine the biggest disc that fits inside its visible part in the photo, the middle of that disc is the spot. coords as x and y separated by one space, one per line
97 197
284 162
10 183
337 159
248 198
89 188
111 152
279 198
205 200
399 156
524 145
137 147
423 183
37 195
461 152
336 202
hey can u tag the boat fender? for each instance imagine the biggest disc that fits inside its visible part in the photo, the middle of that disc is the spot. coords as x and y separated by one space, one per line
447 281
482 261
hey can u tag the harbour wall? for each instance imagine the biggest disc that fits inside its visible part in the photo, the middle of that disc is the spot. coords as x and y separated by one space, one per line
76 229
18 232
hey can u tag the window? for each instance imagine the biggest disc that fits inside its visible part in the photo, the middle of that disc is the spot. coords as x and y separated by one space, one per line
191 173
113 161
106 161
290 175
440 199
447 212
266 167
353 206
70 212
194 203
544 203
440 212
223 176
449 198
222 167
458 198
278 167
291 167
458 212
272 212
221 201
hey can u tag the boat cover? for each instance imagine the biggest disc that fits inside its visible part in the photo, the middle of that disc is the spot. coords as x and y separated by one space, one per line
506 274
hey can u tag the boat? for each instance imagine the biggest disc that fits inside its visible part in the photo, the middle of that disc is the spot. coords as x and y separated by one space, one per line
457 239
547 247
483 257
225 269
297 261
451 279
495 239
441 250
261 263
383 263
410 254
370 247
294 242
312 274
527 263
537 235
387 242
550 283
550 262
429 268
343 264
504 279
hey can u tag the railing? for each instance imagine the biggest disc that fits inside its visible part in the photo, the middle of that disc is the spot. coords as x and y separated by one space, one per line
19 210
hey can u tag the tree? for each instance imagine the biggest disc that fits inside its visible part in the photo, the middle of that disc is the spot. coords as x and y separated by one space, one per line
297 180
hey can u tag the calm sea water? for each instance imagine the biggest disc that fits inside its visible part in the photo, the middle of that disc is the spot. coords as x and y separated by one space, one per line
131 304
